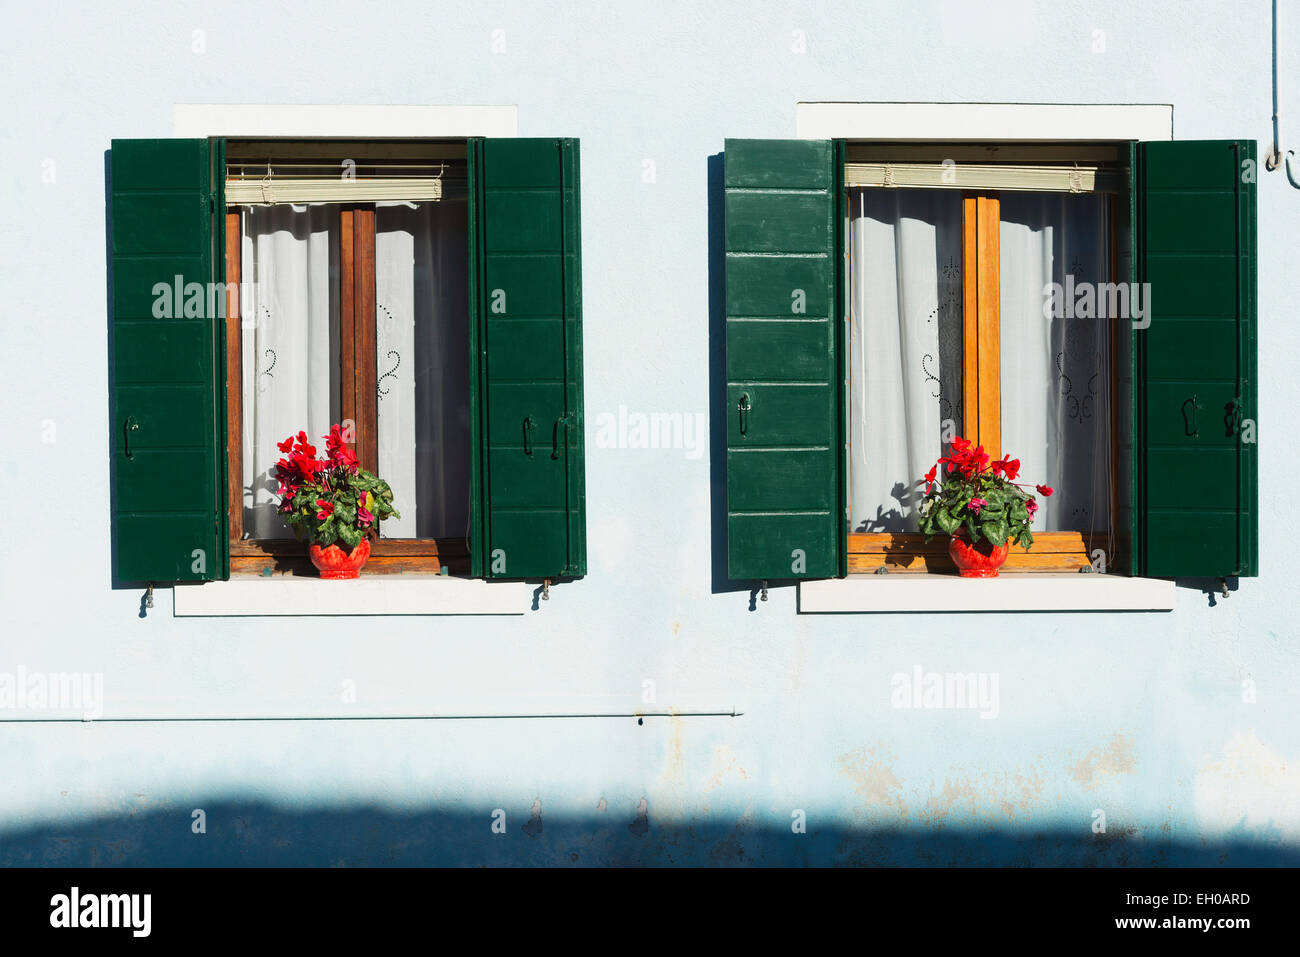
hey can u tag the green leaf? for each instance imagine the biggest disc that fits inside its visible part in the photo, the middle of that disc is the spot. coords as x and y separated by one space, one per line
327 532
350 535
946 521
996 531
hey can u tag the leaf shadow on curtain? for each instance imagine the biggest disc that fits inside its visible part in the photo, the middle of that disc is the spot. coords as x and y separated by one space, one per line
904 357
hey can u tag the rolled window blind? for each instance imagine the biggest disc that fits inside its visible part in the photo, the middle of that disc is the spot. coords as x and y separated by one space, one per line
1057 178
333 182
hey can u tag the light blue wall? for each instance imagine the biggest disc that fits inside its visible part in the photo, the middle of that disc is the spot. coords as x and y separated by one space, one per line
1141 716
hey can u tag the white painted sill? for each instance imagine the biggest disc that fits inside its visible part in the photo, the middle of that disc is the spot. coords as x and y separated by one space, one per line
1065 592
367 595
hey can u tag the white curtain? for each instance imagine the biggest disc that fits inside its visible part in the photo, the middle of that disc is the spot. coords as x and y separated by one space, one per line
290 336
422 317
904 349
291 355
1056 371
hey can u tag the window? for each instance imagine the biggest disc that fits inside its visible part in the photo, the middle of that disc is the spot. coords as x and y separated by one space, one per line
356 313
880 300
947 336
427 293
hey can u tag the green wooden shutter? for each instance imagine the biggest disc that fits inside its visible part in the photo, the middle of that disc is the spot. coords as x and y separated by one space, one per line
164 422
1195 403
784 406
528 514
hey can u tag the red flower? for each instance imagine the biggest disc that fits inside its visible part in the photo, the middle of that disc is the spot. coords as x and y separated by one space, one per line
1031 506
929 478
1044 490
286 445
326 508
340 456
1007 466
976 504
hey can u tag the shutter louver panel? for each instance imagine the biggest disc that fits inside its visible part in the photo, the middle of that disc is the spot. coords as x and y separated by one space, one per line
164 425
783 398
530 519
1196 390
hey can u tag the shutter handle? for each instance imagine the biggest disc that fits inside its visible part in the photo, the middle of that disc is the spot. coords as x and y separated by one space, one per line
129 426
1189 415
529 426
1232 418
743 408
555 435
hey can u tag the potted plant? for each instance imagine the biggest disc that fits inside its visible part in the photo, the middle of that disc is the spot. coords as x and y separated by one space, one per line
979 506
333 503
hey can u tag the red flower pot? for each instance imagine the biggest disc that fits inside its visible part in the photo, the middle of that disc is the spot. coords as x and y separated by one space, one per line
979 560
334 562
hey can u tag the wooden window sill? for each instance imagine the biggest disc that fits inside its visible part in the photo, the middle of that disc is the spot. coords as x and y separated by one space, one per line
407 594
1010 591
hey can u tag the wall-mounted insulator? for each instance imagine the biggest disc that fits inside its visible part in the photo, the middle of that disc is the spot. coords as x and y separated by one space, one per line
546 589
763 590
148 597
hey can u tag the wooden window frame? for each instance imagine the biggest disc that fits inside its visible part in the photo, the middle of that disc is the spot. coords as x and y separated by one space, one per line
359 404
982 413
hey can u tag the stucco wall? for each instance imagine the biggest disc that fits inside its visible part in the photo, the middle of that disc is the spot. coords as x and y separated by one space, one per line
1141 716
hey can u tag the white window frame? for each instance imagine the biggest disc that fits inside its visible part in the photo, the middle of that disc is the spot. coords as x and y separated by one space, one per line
985 123
420 594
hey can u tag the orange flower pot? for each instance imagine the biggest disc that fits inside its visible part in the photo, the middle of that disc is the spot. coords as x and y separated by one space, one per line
978 560
334 562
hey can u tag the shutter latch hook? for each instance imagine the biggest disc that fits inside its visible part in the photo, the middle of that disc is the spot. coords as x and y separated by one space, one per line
546 589
762 590
148 596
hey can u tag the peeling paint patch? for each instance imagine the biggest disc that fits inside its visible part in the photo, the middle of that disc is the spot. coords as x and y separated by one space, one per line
641 824
534 826
1249 787
674 766
725 762
966 800
1100 764
874 779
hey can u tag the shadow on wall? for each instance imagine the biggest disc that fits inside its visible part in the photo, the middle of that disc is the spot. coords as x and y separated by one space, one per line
108 359
244 835
718 386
